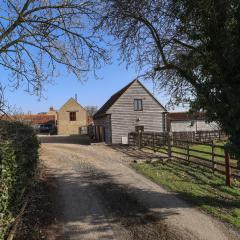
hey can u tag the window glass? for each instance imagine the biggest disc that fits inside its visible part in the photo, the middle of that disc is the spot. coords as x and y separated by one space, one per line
72 116
138 105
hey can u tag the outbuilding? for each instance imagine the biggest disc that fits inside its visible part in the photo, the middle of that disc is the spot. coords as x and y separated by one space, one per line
132 108
71 118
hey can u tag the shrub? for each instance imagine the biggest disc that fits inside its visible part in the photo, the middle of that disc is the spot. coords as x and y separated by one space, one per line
18 160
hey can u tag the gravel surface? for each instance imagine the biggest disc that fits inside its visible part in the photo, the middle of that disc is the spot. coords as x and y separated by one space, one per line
100 197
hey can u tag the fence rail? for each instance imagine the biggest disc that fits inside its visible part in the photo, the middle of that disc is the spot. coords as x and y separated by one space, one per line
187 149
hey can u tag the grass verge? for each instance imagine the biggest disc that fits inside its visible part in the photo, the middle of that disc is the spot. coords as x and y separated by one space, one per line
206 152
197 185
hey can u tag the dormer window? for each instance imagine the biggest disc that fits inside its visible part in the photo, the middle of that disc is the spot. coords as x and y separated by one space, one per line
138 105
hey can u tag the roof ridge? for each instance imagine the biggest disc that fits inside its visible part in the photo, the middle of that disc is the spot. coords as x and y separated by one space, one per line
71 98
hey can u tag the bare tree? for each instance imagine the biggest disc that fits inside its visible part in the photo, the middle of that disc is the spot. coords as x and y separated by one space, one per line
3 105
91 110
189 47
146 35
7 111
36 36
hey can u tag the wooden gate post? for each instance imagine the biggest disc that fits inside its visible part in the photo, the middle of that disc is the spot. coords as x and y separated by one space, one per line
188 153
139 139
169 145
227 169
213 158
153 141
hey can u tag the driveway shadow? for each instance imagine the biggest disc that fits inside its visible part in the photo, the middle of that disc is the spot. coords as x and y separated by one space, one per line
138 154
90 204
72 139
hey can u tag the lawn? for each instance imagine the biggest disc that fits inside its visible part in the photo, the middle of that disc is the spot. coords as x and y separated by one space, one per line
197 185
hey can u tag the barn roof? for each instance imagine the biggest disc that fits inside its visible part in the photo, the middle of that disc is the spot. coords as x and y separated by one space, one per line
117 95
111 101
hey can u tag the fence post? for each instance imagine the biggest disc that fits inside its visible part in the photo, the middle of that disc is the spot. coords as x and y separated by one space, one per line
139 139
188 155
153 141
169 145
227 169
213 163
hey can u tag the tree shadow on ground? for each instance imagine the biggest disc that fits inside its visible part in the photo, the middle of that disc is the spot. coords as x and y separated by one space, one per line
118 206
137 154
94 200
201 176
72 139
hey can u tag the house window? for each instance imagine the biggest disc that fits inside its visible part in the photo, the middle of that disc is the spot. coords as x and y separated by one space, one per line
138 105
72 116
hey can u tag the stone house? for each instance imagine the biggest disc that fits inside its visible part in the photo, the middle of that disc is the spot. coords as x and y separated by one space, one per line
71 117
69 120
133 108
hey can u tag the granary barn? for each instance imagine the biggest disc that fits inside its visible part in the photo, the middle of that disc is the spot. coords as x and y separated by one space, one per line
131 109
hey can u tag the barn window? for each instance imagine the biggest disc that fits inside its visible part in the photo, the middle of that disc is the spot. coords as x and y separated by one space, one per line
72 116
138 105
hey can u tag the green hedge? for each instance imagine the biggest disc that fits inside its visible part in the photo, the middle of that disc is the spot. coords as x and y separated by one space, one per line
18 160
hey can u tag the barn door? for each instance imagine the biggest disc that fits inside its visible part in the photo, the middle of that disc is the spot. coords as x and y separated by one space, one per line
101 134
97 133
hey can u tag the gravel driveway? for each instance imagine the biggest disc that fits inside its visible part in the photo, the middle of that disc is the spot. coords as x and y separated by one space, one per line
101 197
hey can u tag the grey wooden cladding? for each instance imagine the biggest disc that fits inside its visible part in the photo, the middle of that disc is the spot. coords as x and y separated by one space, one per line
123 119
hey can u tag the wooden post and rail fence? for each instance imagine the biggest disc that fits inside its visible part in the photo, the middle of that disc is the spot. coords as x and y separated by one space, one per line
215 157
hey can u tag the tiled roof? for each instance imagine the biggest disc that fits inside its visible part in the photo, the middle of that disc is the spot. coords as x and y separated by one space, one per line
185 116
33 118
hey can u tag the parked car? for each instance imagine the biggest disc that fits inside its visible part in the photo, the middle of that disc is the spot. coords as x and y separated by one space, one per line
45 128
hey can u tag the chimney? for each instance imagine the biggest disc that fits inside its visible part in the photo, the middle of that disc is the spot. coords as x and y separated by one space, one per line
76 97
51 109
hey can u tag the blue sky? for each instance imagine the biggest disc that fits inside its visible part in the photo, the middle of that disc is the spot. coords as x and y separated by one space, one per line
92 92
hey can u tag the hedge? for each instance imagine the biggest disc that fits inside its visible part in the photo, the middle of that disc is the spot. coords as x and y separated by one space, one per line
18 160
